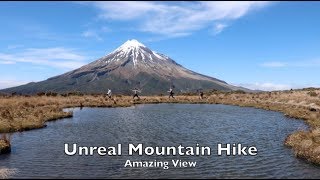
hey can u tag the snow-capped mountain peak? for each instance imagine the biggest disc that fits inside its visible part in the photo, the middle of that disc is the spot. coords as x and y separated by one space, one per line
135 52
130 44
133 57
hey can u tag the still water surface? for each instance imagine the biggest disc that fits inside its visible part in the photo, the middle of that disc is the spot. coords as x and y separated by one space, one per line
40 153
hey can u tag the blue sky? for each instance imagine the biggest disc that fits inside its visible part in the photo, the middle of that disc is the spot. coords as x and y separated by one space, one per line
259 45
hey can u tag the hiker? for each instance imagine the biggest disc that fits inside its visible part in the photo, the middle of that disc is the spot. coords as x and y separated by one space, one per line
135 90
171 93
201 95
109 93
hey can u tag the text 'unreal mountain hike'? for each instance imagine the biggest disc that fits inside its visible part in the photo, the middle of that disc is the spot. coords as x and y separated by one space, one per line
132 65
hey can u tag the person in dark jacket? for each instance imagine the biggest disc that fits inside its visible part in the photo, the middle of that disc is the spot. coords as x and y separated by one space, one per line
135 91
201 94
171 93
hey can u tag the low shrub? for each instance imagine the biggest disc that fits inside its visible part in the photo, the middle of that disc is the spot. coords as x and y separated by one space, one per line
312 94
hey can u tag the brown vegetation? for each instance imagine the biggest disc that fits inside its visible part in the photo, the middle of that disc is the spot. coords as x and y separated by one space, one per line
19 113
5 146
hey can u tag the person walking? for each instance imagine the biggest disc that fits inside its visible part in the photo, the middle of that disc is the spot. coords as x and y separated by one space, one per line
201 94
109 93
135 91
171 93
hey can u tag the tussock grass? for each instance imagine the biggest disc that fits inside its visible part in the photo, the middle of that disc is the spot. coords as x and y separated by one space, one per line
19 113
5 146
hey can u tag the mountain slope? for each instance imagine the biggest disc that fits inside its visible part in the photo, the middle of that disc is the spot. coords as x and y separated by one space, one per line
132 65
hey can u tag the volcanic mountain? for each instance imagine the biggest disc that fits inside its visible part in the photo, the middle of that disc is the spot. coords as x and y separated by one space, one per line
132 65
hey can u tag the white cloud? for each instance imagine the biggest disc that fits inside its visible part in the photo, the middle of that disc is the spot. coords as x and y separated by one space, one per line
176 19
273 64
7 62
15 46
268 86
126 10
303 63
105 29
11 83
91 34
57 57
219 28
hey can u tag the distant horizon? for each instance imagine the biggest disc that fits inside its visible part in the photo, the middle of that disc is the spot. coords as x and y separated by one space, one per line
257 45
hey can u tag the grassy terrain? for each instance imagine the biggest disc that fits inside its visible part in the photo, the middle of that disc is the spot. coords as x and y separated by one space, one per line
19 113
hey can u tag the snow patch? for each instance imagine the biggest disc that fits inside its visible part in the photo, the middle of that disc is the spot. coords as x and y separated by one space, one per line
130 44
138 53
157 55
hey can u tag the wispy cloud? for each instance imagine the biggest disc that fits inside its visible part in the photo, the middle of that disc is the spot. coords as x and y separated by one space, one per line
14 46
218 28
92 34
11 83
96 33
176 19
105 29
38 31
274 64
269 86
57 57
7 62
303 63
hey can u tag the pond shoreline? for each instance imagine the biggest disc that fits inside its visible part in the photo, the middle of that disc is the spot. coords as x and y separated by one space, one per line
26 113
5 147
